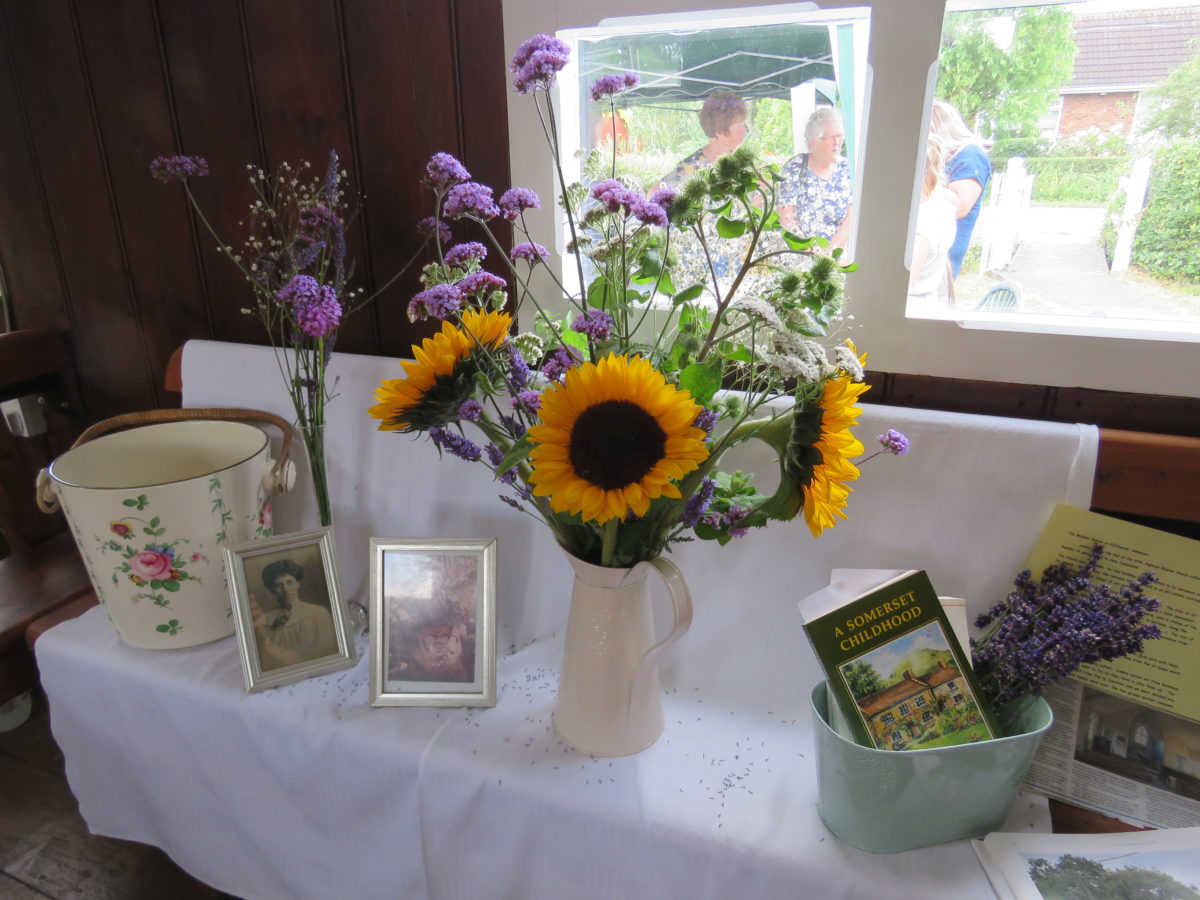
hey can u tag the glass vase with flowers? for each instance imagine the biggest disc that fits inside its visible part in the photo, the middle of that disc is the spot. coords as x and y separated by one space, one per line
294 259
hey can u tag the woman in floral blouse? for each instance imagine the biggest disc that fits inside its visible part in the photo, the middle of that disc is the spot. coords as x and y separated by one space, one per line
816 194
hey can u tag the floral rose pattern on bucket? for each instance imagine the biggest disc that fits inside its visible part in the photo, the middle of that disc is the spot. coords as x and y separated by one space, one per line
152 563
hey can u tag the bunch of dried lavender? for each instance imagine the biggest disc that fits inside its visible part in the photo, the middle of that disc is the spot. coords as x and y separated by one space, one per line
1043 632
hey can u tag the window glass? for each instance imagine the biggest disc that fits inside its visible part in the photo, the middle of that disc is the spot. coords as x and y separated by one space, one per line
1060 175
708 83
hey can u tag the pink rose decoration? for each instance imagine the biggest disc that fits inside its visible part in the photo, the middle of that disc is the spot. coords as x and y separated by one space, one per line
151 565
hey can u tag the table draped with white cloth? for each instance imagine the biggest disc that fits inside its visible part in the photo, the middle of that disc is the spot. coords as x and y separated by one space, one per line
306 791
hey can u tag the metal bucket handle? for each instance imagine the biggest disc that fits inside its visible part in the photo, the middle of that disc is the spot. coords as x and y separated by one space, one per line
47 500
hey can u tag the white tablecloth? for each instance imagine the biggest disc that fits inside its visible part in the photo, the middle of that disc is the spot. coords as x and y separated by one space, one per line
305 791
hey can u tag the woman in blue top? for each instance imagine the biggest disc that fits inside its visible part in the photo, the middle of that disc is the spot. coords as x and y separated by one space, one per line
967 172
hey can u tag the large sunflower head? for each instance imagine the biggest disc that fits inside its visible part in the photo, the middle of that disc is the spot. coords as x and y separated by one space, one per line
612 437
828 456
441 374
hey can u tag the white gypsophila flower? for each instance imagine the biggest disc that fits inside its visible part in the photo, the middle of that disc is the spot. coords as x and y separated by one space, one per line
845 359
760 309
530 345
790 366
801 320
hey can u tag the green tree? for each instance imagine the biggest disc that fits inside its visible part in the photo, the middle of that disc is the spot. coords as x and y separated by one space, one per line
1078 878
1177 101
1002 93
862 679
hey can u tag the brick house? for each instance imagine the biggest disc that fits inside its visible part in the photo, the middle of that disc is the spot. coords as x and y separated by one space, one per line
1120 57
900 712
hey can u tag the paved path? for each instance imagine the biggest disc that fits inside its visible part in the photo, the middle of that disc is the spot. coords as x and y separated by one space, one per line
1060 268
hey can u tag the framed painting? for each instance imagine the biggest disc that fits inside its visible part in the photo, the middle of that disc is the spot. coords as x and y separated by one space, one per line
433 622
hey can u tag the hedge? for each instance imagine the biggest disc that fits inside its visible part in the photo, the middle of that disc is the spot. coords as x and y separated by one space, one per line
1167 243
1071 179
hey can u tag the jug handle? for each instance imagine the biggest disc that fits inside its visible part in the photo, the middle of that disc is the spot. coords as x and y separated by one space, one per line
47 501
681 607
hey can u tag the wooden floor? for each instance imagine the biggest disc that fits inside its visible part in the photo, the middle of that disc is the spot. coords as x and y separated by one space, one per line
45 847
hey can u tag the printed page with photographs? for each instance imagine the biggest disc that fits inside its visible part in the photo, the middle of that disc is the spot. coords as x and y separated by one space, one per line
1134 864
1126 735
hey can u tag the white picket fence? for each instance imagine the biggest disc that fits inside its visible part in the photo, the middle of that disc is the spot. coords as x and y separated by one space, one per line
1011 190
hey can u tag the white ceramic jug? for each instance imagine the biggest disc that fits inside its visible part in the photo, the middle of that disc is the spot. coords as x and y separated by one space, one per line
609 701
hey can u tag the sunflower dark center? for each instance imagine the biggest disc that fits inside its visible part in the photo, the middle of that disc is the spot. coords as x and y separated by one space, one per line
616 443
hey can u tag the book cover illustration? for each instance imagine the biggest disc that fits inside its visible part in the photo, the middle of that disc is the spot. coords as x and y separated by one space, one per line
899 675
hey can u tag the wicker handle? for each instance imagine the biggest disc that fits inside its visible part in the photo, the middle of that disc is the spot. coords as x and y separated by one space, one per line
47 501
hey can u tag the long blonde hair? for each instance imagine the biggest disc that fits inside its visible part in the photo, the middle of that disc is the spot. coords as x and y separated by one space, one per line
935 166
947 123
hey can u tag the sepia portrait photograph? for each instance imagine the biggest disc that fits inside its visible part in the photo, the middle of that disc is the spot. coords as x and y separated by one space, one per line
432 622
290 620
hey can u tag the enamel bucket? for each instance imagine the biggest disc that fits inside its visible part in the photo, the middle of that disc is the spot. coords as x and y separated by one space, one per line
151 506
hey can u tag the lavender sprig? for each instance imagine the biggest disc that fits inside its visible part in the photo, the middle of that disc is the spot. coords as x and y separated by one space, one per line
1040 633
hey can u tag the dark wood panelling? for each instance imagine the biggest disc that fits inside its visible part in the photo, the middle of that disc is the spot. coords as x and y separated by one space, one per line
91 92
961 395
57 101
1133 412
134 120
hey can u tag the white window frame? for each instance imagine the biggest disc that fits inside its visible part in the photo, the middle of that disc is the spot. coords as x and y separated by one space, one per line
902 58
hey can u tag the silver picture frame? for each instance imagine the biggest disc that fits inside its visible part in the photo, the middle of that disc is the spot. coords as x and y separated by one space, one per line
433 622
288 612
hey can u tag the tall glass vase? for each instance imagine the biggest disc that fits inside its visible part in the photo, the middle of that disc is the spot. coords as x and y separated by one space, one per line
314 442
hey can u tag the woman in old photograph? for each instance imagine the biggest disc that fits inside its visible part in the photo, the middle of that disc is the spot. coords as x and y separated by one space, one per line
289 629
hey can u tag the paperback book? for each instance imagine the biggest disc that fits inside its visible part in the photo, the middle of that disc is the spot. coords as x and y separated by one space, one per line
897 674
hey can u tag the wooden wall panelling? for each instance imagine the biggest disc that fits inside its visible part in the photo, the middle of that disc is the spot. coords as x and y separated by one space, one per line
205 58
37 290
1132 412
120 43
400 66
57 102
297 58
962 395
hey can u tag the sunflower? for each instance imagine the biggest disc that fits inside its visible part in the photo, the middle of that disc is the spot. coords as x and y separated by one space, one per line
440 376
612 437
826 493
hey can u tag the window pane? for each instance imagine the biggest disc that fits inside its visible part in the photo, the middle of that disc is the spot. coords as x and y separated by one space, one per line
1079 121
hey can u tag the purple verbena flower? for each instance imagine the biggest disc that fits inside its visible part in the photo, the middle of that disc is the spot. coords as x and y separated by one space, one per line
697 504
428 226
438 302
455 444
894 441
608 85
178 168
664 197
614 196
559 361
595 323
529 401
470 410
470 198
649 213
480 283
443 170
733 519
516 200
316 312
537 61
530 251
460 254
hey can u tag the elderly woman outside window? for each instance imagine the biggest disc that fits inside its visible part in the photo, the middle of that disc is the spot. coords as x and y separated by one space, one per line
816 194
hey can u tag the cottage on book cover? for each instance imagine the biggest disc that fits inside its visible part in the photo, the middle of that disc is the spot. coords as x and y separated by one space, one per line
892 663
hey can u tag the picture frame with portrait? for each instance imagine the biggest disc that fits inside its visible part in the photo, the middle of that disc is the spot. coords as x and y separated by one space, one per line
433 622
288 613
